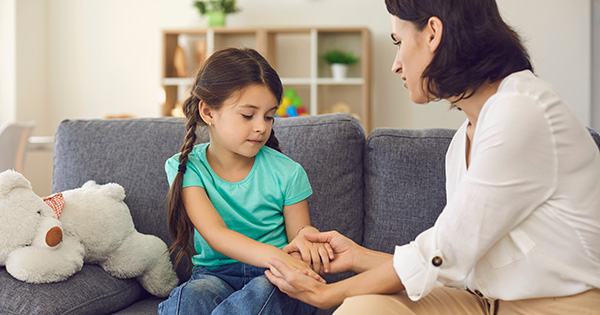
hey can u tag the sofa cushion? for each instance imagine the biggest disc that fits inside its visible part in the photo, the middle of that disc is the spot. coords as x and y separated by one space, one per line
595 136
132 153
89 291
404 184
330 148
129 152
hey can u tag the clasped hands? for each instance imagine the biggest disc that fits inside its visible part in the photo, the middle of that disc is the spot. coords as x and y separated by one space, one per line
327 252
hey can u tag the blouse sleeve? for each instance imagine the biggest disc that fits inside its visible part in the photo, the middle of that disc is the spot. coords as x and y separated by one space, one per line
513 170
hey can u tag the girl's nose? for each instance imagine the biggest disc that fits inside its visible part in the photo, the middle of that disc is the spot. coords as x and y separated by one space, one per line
260 126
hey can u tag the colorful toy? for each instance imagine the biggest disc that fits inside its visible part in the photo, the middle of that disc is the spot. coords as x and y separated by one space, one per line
48 240
291 105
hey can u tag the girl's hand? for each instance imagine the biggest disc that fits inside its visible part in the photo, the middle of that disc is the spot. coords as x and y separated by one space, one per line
315 254
346 251
300 266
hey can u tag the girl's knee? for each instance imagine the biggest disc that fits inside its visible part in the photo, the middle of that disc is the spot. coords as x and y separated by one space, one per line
262 283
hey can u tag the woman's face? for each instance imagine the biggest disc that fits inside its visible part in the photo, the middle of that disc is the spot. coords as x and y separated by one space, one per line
412 57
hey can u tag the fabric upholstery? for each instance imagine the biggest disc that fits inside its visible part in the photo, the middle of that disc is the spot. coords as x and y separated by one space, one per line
595 136
132 152
129 152
380 192
404 179
89 291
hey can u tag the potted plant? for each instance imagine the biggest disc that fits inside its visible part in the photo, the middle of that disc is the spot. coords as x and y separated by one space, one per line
215 10
339 61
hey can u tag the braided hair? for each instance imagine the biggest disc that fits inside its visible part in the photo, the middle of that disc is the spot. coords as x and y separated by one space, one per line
222 74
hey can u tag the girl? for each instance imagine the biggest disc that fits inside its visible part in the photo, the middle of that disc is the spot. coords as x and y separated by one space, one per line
519 233
243 200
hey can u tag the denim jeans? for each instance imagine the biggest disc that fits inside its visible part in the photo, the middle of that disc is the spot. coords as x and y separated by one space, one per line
231 289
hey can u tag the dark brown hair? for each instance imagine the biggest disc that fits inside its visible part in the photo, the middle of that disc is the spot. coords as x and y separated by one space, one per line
477 46
224 73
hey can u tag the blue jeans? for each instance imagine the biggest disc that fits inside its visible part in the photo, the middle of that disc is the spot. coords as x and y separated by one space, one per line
231 289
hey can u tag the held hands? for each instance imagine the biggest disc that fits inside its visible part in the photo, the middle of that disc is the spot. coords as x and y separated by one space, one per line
314 253
302 287
300 266
344 250
297 285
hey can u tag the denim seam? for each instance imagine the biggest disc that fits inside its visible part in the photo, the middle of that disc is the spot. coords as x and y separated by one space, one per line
267 301
179 296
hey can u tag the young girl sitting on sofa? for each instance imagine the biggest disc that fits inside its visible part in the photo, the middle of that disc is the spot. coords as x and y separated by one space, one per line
243 199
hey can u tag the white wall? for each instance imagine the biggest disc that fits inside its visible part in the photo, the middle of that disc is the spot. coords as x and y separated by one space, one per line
558 36
105 55
101 57
595 65
7 61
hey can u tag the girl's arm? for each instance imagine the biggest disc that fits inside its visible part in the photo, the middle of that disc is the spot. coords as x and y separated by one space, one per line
211 226
297 224
296 217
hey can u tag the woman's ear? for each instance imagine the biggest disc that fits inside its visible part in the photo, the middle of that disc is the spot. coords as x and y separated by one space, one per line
205 112
435 29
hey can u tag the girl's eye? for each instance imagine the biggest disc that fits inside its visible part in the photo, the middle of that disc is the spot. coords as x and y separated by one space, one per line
247 116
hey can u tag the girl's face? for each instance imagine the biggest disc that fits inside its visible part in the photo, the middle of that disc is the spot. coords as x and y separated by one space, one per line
243 124
413 55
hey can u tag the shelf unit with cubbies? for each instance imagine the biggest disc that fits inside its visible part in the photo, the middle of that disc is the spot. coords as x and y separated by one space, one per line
295 52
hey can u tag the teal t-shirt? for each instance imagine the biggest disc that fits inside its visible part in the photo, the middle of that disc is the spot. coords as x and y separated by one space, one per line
253 206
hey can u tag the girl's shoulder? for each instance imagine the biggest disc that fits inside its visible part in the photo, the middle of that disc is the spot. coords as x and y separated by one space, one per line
278 163
274 156
197 154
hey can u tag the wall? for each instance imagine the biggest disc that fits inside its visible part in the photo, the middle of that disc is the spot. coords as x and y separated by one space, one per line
88 59
595 86
105 56
7 61
559 40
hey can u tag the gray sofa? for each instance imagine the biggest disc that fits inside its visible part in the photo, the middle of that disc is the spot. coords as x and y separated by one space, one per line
379 190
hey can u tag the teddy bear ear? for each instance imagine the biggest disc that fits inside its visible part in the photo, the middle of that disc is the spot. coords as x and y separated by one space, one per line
10 180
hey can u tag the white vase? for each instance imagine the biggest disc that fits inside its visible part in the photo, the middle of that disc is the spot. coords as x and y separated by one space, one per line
339 71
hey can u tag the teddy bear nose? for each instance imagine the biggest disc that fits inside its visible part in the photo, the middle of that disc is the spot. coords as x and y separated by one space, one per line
54 236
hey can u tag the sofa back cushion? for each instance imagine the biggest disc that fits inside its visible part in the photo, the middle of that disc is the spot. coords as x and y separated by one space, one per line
404 184
129 152
132 153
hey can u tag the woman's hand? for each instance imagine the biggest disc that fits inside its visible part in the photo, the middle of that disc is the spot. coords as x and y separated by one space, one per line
300 266
300 286
315 254
382 279
344 250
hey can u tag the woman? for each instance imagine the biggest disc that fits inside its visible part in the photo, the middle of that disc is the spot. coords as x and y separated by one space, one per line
520 230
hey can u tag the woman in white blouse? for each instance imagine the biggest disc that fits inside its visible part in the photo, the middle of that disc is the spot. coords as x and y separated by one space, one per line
520 232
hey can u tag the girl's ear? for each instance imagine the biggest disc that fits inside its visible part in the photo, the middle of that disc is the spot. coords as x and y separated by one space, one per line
434 31
205 112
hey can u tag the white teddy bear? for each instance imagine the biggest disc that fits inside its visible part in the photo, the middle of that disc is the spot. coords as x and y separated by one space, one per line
39 245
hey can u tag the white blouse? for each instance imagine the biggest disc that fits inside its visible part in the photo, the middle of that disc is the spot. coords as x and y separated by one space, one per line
523 221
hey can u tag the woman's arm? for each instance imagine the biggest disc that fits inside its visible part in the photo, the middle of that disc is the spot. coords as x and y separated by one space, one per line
213 229
379 280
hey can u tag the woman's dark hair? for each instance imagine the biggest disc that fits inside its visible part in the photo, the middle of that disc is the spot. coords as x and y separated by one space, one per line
224 73
477 46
